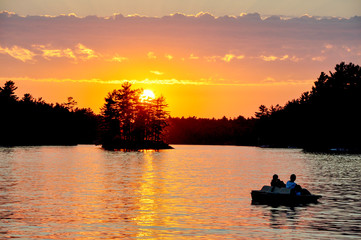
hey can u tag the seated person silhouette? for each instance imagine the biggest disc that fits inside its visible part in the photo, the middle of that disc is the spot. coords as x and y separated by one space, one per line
295 188
291 183
276 182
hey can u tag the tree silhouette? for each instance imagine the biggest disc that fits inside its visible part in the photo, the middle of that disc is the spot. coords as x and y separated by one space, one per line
325 117
27 98
7 93
192 130
132 123
70 104
32 121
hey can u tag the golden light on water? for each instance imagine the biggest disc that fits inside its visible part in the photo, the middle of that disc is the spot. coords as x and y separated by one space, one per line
191 192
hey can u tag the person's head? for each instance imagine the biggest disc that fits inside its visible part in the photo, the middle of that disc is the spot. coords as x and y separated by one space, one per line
275 177
293 177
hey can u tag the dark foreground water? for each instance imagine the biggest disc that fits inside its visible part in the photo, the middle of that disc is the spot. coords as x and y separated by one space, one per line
191 192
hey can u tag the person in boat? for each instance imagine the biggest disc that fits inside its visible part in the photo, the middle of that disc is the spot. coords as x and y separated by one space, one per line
276 182
291 183
295 188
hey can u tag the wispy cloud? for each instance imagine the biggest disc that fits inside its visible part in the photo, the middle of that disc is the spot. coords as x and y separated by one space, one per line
168 56
48 52
193 57
118 58
269 81
319 58
67 53
157 73
272 58
151 55
172 81
85 52
229 57
268 58
18 53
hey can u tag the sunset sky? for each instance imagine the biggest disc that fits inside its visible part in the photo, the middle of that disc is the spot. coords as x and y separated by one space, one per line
207 58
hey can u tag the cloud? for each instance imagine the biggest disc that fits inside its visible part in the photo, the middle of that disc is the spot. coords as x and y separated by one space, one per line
268 58
226 58
319 58
193 57
247 33
328 46
229 57
157 73
49 53
85 53
295 59
151 55
67 53
172 81
168 56
200 46
19 53
347 49
272 58
118 58
269 81
284 57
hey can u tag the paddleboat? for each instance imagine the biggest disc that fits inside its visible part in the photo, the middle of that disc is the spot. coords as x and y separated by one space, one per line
281 196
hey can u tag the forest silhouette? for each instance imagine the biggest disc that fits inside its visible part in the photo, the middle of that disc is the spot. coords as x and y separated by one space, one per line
30 121
326 118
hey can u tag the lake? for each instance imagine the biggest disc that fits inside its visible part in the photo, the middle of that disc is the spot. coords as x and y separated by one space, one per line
190 192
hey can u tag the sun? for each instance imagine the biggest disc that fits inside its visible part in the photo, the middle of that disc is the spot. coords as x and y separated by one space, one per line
147 95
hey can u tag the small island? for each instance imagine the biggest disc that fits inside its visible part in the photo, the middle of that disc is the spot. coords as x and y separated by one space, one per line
132 120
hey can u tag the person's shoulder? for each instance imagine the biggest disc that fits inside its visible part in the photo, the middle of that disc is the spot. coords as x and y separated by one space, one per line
290 184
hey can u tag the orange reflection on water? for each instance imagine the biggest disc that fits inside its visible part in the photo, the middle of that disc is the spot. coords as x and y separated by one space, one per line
58 190
192 192
146 204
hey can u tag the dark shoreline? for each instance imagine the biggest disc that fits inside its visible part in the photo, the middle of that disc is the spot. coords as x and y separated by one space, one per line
164 146
136 146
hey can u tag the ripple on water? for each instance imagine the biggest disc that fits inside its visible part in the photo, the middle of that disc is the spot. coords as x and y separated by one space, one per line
190 192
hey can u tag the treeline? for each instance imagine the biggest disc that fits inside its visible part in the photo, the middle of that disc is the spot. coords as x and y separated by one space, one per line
192 130
128 120
30 121
327 117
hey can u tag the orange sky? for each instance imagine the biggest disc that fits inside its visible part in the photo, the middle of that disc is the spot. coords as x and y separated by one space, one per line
205 66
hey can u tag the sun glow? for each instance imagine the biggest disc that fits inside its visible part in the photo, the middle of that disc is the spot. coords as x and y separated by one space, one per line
147 95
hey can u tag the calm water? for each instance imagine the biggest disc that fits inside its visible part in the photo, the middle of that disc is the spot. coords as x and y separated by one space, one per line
191 192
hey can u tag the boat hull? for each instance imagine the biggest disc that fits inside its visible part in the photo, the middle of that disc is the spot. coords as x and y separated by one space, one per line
281 196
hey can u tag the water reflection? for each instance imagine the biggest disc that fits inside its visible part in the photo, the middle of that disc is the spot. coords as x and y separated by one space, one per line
7 183
191 192
283 218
